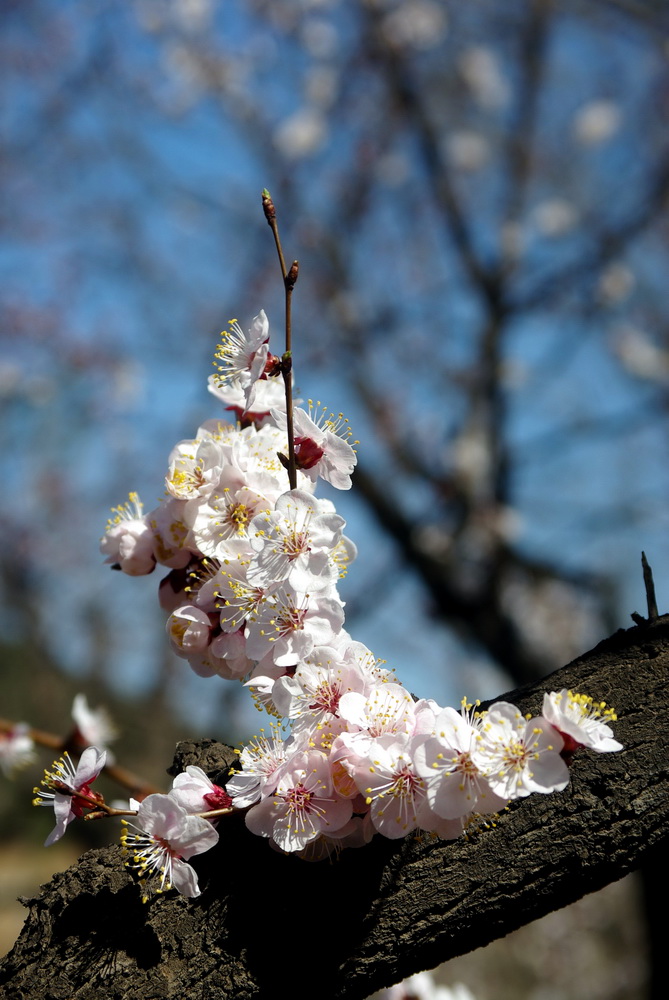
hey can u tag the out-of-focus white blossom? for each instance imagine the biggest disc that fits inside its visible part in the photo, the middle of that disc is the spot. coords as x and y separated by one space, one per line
596 122
94 725
466 150
320 37
416 24
480 69
301 134
555 216
423 987
640 355
616 282
193 15
17 749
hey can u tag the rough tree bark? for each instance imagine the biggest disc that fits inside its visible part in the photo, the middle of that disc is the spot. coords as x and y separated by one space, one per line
268 923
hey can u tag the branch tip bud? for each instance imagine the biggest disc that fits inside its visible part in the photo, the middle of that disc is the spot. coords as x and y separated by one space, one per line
268 206
291 277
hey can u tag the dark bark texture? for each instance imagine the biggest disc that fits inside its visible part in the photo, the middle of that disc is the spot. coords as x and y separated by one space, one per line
268 925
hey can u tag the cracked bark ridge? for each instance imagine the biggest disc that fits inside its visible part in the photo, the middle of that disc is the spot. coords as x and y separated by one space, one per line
344 929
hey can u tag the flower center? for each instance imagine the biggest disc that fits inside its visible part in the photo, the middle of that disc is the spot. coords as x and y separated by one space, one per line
238 516
327 698
299 798
465 765
405 783
290 619
515 754
295 544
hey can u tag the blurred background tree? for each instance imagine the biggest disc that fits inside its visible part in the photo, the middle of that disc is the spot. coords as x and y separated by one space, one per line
477 194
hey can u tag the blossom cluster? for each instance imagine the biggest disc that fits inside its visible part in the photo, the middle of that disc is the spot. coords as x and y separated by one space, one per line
166 830
253 566
251 594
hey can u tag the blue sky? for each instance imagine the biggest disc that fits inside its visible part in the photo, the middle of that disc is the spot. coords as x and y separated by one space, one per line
134 232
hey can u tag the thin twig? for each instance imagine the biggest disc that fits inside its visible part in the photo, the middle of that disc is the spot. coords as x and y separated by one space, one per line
650 588
126 779
289 279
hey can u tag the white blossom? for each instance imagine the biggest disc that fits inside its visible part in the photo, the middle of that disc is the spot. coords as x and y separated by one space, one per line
166 838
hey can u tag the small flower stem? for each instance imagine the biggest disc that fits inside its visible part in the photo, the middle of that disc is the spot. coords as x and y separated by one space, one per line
213 813
104 810
289 279
95 804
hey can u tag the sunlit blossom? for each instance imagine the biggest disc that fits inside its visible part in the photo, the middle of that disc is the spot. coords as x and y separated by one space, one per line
167 836
128 542
241 356
455 784
519 755
197 793
67 789
303 805
387 777
581 721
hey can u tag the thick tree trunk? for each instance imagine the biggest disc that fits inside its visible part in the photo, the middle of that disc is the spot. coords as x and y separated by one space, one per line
268 924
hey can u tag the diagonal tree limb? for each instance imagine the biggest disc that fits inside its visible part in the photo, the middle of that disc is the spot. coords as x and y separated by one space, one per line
342 930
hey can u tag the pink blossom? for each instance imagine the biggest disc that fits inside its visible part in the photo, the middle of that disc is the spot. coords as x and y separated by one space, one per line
64 783
174 546
167 837
260 760
294 542
303 805
455 785
128 542
312 694
189 631
321 445
289 624
581 721
193 790
519 756
385 774
241 354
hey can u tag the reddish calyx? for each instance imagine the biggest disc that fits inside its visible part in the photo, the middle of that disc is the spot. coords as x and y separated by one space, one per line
218 798
307 453
79 804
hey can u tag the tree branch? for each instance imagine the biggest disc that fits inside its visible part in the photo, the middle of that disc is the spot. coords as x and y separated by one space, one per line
378 913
